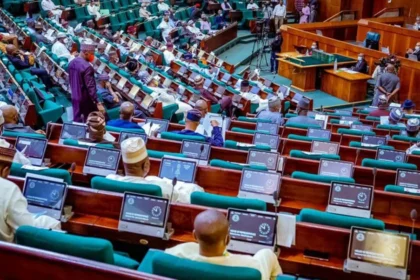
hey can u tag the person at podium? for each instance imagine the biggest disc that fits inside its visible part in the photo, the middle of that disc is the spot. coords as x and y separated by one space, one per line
361 65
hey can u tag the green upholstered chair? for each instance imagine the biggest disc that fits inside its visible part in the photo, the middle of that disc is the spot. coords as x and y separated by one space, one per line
76 143
159 263
330 219
382 164
302 125
169 111
372 118
181 137
119 129
390 127
405 138
225 202
321 178
237 146
337 121
290 115
399 189
104 184
248 131
300 154
252 120
14 134
355 132
235 166
160 154
91 248
306 138
49 111
416 152
356 144
17 170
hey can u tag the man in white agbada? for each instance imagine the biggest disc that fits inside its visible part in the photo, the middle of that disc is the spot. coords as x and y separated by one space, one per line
166 26
48 5
137 165
254 98
168 53
59 47
93 10
211 231
195 30
162 6
413 128
254 77
13 205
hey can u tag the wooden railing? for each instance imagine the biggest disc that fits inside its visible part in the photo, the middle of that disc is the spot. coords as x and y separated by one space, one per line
342 16
389 12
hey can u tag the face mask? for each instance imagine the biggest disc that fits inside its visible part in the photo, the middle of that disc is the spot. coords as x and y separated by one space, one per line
417 48
91 57
66 41
313 47
360 58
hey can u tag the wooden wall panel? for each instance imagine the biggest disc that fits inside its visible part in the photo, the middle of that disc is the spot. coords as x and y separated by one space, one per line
411 7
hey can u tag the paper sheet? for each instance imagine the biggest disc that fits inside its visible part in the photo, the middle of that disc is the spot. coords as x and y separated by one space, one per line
35 168
286 229
149 129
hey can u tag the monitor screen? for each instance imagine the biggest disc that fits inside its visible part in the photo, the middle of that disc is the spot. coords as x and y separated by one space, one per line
261 182
344 112
297 97
374 140
207 83
361 127
31 147
221 90
147 101
197 150
164 124
268 159
267 139
408 179
325 147
143 209
272 128
390 155
124 135
252 227
103 158
351 195
192 76
255 90
182 70
226 77
184 170
349 119
379 247
44 193
335 168
73 131
267 83
319 133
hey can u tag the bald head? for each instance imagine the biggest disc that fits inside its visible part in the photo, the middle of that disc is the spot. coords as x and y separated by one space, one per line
10 49
201 105
211 230
390 68
126 110
10 114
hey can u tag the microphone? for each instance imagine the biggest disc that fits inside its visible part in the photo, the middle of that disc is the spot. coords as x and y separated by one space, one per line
72 168
150 130
374 176
413 216
201 151
357 156
276 200
174 181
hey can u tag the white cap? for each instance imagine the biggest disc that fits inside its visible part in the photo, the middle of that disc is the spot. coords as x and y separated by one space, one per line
133 150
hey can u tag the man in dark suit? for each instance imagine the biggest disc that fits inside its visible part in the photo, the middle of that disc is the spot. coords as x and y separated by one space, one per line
415 52
361 65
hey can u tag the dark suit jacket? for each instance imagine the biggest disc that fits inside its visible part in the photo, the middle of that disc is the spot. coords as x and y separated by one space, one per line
361 67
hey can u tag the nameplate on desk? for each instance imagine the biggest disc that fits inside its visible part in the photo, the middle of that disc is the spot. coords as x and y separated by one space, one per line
121 83
133 92
101 68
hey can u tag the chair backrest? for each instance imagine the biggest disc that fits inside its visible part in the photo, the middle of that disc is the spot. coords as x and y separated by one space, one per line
300 154
355 144
76 143
169 111
17 170
119 129
161 154
399 189
225 202
84 247
181 137
253 120
248 131
235 145
306 138
321 178
14 134
355 132
302 125
382 164
390 127
405 138
235 166
105 184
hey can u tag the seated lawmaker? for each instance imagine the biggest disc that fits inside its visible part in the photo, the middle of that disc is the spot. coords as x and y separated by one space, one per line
126 116
11 121
413 128
137 166
417 24
110 98
361 65
395 116
253 98
273 112
302 111
220 20
415 52
13 205
252 6
59 48
211 231
96 129
382 110
408 107
191 123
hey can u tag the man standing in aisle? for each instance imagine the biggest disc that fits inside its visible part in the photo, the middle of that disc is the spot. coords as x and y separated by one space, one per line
279 14
83 85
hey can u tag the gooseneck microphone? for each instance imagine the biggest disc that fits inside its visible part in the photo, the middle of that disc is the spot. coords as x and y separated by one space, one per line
413 216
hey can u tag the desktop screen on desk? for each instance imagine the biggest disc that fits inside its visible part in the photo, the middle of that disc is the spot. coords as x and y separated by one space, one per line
351 195
31 147
259 181
335 168
72 131
103 158
408 179
183 170
144 210
48 194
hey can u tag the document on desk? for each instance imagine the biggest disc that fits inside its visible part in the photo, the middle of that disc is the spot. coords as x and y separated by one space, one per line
286 229
347 70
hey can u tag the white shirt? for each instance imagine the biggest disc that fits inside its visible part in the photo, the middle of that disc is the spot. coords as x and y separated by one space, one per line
169 57
413 148
264 260
166 98
60 50
252 6
280 11
14 212
416 26
144 13
94 11
182 192
163 7
48 5
166 29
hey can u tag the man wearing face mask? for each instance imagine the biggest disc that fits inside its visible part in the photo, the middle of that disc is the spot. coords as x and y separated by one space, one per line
417 23
166 27
60 49
136 166
273 111
83 85
361 65
415 52
314 46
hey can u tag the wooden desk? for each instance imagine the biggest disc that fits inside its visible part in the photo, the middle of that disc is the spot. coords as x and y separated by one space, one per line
220 38
235 15
346 86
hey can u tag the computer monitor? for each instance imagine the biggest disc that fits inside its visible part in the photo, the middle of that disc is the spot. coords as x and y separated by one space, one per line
265 158
207 84
182 70
33 148
350 199
183 169
267 83
272 128
101 161
321 147
390 155
196 150
147 101
283 91
226 77
144 214
348 119
163 124
335 168
251 231
72 131
167 83
343 112
260 185
372 141
255 90
297 97
267 139
124 135
319 133
192 76
45 195
361 127
378 253
220 91
408 179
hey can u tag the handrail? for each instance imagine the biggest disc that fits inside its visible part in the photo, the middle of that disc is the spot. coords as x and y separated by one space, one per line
387 10
340 14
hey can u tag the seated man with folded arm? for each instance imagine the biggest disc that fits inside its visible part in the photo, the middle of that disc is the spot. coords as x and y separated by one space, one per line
273 112
302 111
11 121
126 116
413 129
